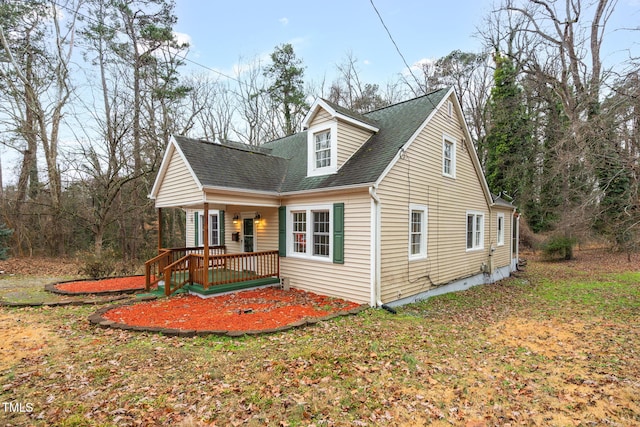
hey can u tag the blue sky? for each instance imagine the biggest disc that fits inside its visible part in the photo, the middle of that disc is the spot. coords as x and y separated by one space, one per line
322 32
223 33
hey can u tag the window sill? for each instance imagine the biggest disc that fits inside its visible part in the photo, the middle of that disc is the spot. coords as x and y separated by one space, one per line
475 249
322 172
309 257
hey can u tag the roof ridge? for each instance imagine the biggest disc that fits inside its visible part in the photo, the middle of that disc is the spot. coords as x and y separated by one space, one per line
426 95
231 147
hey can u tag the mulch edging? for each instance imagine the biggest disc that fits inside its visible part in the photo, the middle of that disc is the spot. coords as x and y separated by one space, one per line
97 319
51 287
63 303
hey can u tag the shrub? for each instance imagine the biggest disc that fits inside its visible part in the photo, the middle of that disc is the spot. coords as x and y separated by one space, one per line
558 247
94 266
5 235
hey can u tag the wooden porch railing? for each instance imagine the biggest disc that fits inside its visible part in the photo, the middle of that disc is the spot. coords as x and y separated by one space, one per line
154 268
222 268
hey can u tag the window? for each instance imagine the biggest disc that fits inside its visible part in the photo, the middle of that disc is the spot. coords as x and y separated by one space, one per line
214 229
475 230
448 157
321 233
312 224
300 232
417 232
500 228
450 108
322 149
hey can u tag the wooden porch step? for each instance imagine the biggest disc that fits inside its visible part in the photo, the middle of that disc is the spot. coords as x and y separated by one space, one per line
215 289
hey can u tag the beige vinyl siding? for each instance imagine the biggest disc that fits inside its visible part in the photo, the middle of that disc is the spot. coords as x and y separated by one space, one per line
178 186
351 280
267 229
417 179
350 139
502 255
321 117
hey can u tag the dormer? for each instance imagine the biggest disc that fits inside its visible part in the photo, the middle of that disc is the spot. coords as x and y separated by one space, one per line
334 134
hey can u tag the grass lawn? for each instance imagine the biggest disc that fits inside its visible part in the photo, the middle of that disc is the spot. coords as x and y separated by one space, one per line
557 346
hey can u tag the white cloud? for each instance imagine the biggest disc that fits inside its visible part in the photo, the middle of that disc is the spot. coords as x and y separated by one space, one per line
366 62
182 38
284 21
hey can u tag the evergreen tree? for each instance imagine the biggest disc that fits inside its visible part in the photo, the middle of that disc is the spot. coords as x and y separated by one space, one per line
5 234
286 91
510 152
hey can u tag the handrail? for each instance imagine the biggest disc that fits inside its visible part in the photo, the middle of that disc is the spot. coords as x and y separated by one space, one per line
173 282
221 269
153 268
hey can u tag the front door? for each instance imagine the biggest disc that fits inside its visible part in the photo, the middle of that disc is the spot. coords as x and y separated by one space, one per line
248 243
247 235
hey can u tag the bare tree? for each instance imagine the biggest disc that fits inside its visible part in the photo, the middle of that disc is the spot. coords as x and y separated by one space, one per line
36 72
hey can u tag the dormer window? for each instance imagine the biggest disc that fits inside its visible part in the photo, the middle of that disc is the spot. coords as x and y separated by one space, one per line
322 149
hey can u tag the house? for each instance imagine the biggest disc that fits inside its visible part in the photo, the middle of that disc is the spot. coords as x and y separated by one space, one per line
386 207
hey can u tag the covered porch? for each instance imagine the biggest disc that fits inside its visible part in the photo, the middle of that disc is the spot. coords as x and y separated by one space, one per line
232 215
208 268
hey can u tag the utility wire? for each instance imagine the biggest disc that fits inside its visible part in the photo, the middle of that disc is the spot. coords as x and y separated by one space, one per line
396 46
179 56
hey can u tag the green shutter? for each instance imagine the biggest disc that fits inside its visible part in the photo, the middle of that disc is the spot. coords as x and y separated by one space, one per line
196 216
221 225
338 233
282 231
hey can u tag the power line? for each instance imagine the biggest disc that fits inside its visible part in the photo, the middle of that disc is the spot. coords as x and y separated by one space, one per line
396 45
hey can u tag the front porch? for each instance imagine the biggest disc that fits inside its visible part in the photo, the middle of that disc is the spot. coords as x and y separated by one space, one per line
211 271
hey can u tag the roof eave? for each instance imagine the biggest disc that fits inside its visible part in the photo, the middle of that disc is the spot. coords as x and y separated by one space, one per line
319 103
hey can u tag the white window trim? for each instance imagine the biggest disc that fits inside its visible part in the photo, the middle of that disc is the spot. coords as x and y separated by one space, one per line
309 209
312 170
450 109
423 232
466 231
449 139
500 230
201 227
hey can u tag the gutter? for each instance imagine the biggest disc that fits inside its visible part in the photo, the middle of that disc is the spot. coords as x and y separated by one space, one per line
375 248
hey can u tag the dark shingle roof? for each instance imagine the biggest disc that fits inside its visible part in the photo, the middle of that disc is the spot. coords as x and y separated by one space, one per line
285 169
224 166
346 112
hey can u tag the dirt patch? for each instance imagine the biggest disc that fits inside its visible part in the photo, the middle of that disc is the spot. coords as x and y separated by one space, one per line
549 338
19 340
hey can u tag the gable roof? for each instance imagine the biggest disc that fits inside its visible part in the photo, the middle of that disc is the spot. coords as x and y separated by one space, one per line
232 165
280 166
336 110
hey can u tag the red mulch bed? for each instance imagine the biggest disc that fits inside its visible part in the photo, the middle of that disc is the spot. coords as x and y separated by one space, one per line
114 284
251 310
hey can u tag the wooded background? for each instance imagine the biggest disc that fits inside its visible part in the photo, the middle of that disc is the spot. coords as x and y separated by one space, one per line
557 131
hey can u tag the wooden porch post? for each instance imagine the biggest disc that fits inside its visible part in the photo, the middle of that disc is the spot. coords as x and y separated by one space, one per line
159 229
205 240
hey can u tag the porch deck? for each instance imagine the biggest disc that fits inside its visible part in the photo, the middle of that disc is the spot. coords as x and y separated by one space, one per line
211 272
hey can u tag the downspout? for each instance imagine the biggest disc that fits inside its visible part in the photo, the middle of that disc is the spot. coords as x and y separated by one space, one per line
375 236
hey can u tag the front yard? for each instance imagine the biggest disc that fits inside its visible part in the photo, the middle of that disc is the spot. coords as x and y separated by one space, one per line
556 346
